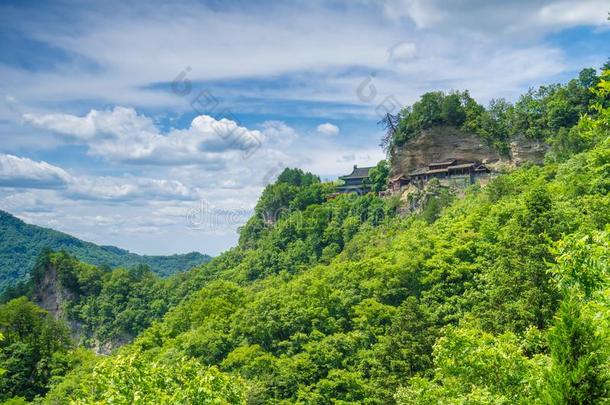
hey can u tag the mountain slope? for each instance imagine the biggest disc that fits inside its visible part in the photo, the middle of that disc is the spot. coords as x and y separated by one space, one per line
496 297
501 297
21 243
480 305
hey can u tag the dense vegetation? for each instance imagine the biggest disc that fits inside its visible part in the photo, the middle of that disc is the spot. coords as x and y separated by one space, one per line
34 348
22 243
499 297
546 114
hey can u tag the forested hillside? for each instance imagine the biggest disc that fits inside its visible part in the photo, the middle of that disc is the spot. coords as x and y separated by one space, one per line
544 114
499 297
21 243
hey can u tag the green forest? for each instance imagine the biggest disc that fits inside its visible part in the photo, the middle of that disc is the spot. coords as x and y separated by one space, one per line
548 114
22 243
500 296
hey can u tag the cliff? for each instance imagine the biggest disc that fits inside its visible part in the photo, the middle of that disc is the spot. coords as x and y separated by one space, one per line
444 142
524 150
51 295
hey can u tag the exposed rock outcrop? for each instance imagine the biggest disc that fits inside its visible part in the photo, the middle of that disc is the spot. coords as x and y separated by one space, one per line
50 295
445 142
440 143
524 150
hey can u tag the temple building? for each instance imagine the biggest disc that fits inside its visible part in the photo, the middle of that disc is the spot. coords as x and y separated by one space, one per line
450 171
398 182
356 182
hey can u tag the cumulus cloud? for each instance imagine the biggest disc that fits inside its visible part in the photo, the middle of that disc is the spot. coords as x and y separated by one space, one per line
124 135
307 64
79 127
328 129
23 172
278 132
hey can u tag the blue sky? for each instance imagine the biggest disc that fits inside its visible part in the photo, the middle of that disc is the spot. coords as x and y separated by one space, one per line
155 126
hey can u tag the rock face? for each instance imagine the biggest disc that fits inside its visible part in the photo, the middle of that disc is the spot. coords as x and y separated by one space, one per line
444 142
440 143
524 150
50 295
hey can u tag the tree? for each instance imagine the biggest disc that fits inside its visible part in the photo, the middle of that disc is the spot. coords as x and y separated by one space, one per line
389 123
31 339
129 379
452 110
297 177
378 176
578 345
577 374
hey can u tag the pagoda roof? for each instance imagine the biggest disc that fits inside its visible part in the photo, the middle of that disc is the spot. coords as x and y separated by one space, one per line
482 168
358 173
462 166
398 177
445 167
421 170
435 171
446 162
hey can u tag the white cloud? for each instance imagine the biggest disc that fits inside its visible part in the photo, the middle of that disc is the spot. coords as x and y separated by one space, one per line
25 173
328 129
125 136
319 45
402 52
128 189
278 132
331 160
571 13
517 17
31 200
79 127
306 64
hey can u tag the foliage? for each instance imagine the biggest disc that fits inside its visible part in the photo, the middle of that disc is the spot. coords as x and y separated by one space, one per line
433 109
297 177
458 310
128 379
378 176
294 226
23 243
30 348
548 114
499 297
109 305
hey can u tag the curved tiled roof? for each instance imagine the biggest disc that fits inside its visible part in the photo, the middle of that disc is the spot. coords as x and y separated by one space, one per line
358 173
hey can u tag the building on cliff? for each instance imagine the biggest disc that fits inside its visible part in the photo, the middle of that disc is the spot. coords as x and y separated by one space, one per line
450 171
356 182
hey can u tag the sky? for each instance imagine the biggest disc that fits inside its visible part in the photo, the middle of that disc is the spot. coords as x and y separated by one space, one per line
155 127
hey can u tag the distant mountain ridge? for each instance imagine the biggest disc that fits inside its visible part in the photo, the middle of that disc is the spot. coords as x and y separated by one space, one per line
21 243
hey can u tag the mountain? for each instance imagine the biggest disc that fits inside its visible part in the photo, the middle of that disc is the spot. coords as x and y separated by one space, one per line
493 295
21 243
